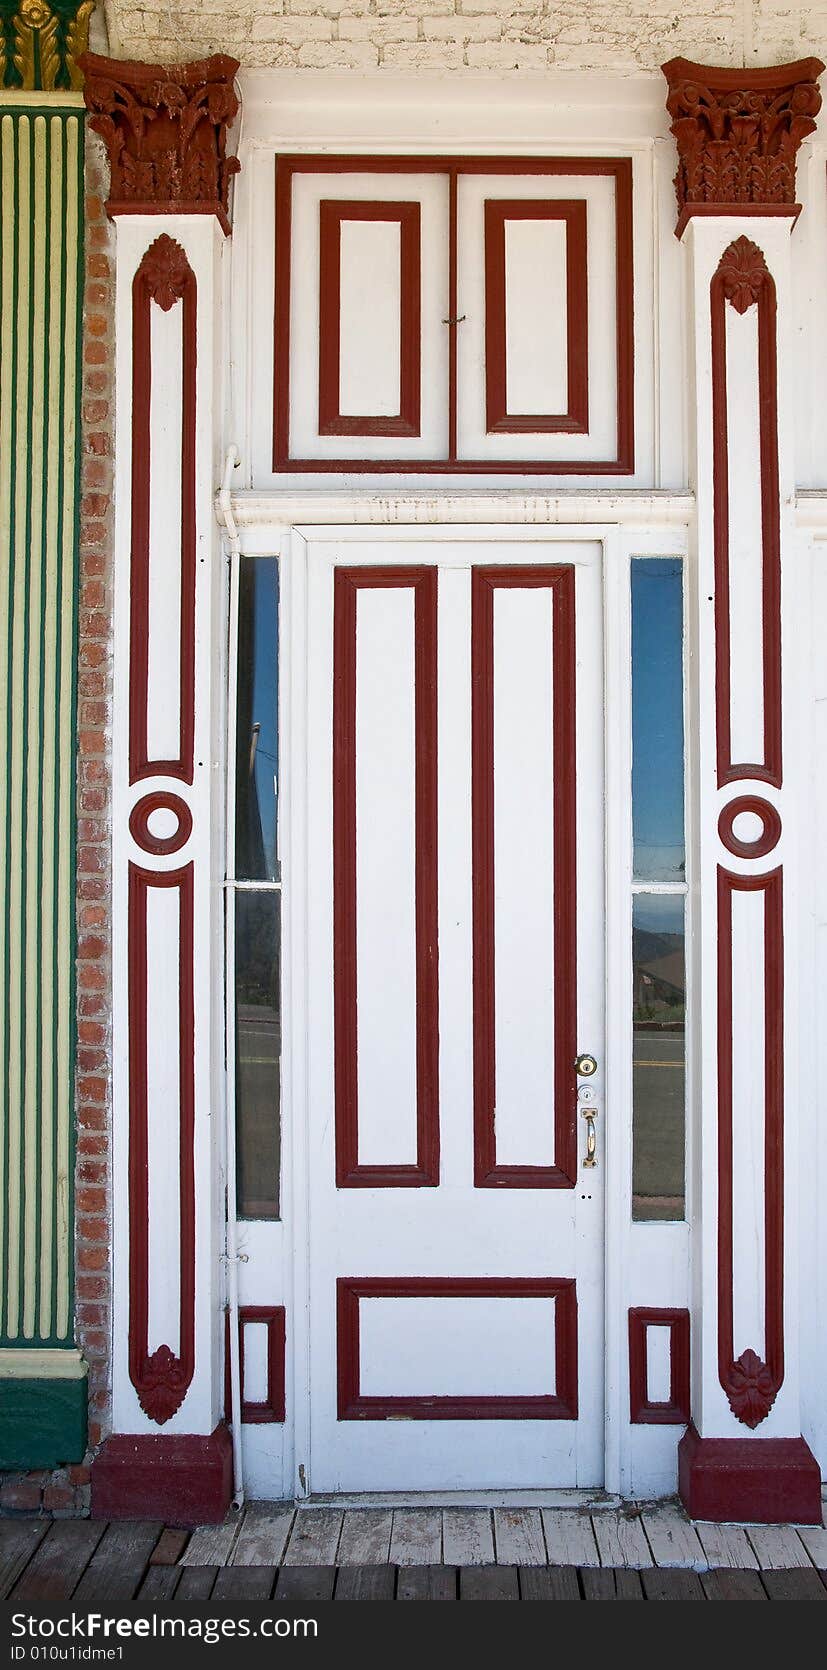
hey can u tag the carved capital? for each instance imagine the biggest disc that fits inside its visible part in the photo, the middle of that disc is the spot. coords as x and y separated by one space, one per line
738 133
165 128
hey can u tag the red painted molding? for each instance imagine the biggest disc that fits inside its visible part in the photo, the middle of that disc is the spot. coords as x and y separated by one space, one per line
738 133
770 833
560 1405
575 419
160 1378
765 1481
618 169
752 1384
165 129
642 1412
165 277
161 800
743 280
484 582
180 1479
349 1172
272 1410
331 420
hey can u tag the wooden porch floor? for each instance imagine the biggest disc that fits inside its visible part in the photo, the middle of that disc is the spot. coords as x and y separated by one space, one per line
311 1554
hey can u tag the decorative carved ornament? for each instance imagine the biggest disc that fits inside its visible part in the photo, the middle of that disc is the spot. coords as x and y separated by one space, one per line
166 270
738 133
751 1389
743 272
40 44
165 128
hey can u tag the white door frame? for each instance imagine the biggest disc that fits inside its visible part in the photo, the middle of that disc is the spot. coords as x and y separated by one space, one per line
632 525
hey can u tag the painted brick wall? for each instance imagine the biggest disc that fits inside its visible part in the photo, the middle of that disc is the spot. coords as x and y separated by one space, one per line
93 1198
445 35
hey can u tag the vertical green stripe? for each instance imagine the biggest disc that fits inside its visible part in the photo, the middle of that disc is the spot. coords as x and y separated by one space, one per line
65 939
7 254
47 866
41 167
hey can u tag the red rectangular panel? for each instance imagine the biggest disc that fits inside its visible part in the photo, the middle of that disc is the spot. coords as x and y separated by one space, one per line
618 169
575 420
349 1172
331 420
272 1410
484 582
676 1411
559 1405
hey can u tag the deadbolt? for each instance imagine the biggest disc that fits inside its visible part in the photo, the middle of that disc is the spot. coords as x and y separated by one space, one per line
585 1066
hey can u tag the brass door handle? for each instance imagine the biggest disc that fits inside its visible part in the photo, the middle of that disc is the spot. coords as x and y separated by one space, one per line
590 1159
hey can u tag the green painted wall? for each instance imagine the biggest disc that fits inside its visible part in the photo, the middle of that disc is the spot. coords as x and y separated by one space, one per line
41 273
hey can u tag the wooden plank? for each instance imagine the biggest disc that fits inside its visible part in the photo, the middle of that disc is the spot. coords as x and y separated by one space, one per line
305 1583
727 1545
314 1537
467 1538
169 1547
598 1584
426 1583
18 1540
519 1537
373 1582
673 1539
489 1583
549 1583
671 1585
416 1539
794 1585
814 1538
117 1567
56 1567
211 1545
366 1537
628 1585
160 1584
778 1547
237 1583
730 1584
621 1540
196 1584
263 1535
569 1537
611 1584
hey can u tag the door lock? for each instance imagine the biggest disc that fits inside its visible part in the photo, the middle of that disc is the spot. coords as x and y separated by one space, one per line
585 1066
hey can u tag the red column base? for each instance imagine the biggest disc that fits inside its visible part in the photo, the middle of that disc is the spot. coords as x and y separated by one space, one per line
183 1478
767 1481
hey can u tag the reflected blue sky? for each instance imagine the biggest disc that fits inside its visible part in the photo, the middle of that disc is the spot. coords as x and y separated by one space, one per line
257 719
657 719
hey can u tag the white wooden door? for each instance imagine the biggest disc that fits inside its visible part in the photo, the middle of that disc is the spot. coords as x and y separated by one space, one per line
455 968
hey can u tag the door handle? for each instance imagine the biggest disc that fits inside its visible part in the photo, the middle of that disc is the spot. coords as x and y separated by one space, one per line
590 1157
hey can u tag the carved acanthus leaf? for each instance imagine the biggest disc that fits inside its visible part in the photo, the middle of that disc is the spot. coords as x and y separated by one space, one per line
163 1385
166 270
751 1389
743 272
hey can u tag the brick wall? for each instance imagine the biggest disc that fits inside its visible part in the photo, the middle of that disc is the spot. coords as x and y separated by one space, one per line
93 1180
445 35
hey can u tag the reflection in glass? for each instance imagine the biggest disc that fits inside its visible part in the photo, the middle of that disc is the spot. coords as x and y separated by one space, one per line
257 1049
257 720
659 1071
657 719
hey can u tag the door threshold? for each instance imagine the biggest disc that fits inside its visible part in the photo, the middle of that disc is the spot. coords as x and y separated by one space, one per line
594 1500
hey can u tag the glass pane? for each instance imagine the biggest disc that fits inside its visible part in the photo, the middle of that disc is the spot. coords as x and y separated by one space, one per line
257 734
257 1052
659 1077
657 719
